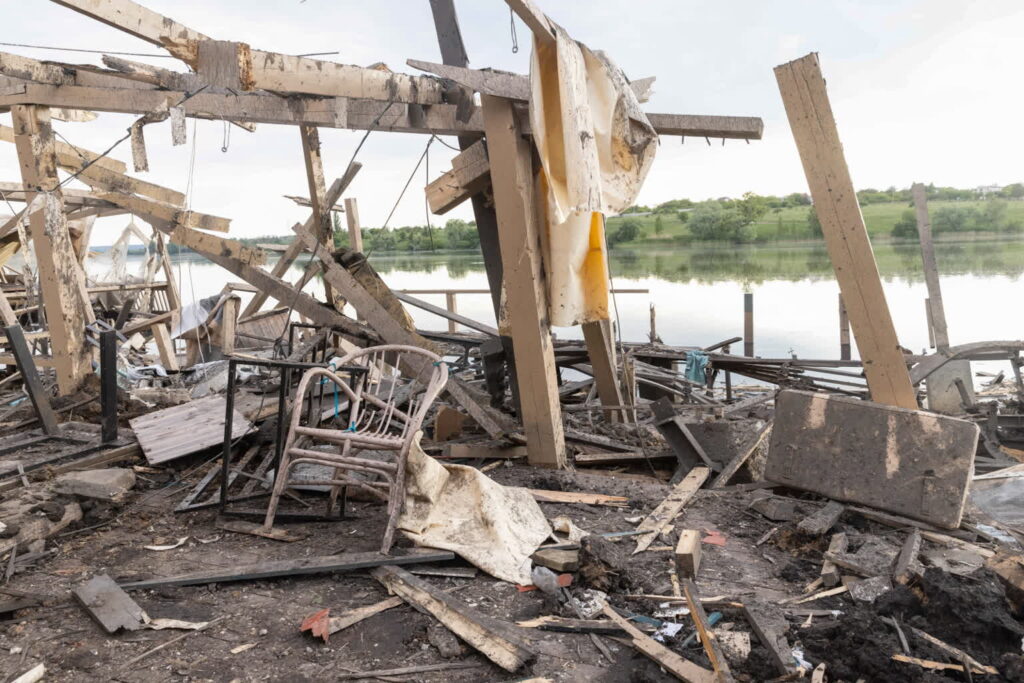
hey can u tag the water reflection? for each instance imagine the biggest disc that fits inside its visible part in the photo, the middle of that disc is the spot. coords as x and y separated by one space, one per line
753 264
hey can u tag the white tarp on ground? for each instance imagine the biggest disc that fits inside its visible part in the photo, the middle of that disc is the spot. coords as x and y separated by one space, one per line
595 147
458 508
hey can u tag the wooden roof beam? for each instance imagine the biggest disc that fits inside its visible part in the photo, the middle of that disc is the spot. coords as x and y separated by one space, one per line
134 19
335 112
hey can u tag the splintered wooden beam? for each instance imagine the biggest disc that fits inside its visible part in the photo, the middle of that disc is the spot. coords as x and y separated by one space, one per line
162 211
527 305
296 246
470 173
817 139
135 19
64 149
61 279
203 242
499 641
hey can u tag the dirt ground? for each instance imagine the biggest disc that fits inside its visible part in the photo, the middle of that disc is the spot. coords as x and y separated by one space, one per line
970 612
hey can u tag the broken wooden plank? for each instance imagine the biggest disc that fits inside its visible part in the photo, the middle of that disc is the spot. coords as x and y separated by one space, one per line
296 567
733 466
496 640
821 520
578 497
671 426
446 314
179 430
712 648
617 458
817 139
681 668
470 173
109 605
687 554
669 508
830 574
906 561
357 614
920 466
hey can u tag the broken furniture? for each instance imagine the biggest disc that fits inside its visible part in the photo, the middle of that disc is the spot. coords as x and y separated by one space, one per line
377 421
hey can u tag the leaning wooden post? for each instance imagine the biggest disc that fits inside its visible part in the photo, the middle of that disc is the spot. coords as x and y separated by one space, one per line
60 277
355 232
601 350
453 307
527 306
844 331
931 269
318 193
835 201
748 324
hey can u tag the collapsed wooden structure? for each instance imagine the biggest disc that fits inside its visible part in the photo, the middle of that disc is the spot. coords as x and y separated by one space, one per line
234 82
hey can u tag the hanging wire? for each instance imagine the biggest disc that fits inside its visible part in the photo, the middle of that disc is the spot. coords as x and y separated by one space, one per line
426 181
512 24
316 245
406 186
226 139
449 146
98 52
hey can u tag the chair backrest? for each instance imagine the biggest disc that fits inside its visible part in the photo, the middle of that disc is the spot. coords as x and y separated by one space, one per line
400 385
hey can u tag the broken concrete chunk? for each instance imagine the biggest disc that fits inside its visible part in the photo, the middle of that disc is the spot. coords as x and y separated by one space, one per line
822 520
874 557
773 507
735 645
830 574
868 590
448 646
910 462
111 484
557 560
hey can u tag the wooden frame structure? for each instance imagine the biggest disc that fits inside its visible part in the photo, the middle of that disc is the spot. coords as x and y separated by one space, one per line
235 82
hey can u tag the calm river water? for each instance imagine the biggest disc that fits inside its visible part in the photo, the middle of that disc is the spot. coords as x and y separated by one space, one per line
698 292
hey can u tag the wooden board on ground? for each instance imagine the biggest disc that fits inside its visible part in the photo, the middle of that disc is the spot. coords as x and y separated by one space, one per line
497 640
179 430
913 463
670 507
297 567
109 605
241 526
681 668
542 496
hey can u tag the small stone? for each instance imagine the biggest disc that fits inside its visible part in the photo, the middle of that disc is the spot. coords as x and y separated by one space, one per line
868 590
448 646
111 484
557 560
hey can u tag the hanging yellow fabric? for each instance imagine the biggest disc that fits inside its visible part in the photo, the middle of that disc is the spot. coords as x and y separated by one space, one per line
595 147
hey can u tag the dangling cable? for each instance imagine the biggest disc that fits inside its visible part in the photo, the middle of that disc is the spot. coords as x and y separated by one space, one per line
512 24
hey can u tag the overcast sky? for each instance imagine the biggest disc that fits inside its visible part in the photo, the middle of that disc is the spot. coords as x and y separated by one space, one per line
923 90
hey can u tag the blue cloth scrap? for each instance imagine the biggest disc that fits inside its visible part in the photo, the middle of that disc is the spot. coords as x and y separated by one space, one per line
696 361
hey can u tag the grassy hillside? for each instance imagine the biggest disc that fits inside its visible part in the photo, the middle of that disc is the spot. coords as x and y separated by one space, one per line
791 223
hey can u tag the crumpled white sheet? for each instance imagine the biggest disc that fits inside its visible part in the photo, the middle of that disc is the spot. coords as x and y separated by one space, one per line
595 146
458 508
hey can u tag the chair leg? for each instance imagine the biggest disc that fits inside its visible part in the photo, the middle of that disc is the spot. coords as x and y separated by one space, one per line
396 499
280 483
339 472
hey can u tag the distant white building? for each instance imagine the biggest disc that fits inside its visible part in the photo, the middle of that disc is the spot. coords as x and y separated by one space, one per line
986 190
